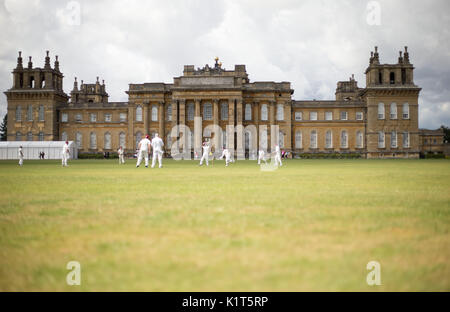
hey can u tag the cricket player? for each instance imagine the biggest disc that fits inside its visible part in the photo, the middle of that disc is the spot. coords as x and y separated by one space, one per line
120 153
261 155
20 156
65 154
144 149
157 146
206 148
278 156
226 153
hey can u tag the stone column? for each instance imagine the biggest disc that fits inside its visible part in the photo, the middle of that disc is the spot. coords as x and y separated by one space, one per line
181 124
161 120
198 129
270 129
288 120
240 151
216 143
230 127
174 129
255 117
130 143
146 117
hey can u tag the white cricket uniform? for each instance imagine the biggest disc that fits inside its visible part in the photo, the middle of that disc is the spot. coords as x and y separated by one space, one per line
143 152
157 145
121 158
226 153
278 156
65 155
205 155
20 156
261 155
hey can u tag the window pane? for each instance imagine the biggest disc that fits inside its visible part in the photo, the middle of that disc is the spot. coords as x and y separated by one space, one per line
207 111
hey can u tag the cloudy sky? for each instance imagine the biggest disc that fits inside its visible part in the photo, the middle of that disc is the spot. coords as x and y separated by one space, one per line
312 44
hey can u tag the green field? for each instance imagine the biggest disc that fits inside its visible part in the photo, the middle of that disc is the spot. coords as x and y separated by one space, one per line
311 225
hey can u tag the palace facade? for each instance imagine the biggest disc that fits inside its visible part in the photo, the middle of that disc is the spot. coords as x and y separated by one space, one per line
380 120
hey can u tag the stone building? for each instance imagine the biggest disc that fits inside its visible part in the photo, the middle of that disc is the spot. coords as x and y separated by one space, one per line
380 120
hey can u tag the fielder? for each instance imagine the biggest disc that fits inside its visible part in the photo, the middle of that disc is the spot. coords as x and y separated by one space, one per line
226 153
144 150
20 156
157 145
65 154
278 156
261 156
206 148
120 153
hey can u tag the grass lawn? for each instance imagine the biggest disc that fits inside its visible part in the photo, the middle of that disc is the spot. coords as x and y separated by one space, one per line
311 225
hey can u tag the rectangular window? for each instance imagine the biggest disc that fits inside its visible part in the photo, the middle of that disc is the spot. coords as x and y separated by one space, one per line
93 118
78 117
344 116
406 139
64 117
298 116
359 116
405 111
393 139
123 117
108 117
313 116
328 115
381 139
207 111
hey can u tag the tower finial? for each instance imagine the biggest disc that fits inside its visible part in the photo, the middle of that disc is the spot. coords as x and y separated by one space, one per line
47 61
97 78
56 63
75 85
19 61
30 63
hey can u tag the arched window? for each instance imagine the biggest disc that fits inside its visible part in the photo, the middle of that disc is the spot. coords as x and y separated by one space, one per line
138 138
393 111
18 136
169 141
64 136
154 113
313 139
281 139
139 113
122 139
169 112
392 78
344 139
18 113
224 139
280 112
207 111
328 139
264 112
41 136
41 113
405 111
93 142
298 139
247 140
107 140
263 140
224 111
79 139
248 112
359 139
190 111
380 110
393 139
381 139
29 136
30 113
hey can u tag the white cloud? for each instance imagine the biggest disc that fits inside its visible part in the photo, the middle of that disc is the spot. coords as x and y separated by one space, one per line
313 44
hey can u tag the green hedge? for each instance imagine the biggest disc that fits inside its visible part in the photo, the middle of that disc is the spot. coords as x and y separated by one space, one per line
329 155
432 155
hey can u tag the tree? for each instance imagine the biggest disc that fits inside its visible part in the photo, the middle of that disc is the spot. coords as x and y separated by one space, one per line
4 129
446 133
